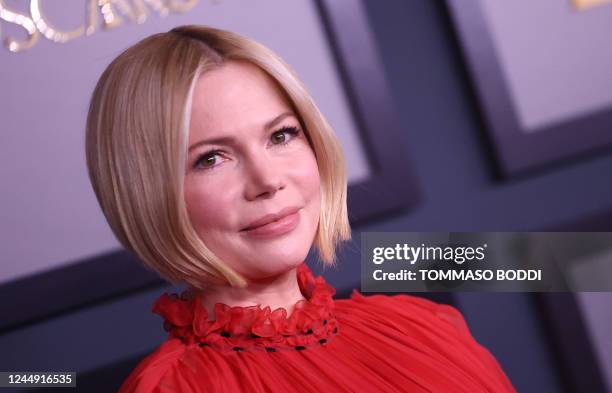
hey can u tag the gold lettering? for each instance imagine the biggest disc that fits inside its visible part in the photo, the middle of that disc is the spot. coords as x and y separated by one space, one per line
126 9
49 31
582 5
181 5
21 20
141 10
109 15
136 11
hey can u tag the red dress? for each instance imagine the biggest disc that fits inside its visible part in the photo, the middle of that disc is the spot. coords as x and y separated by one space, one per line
368 344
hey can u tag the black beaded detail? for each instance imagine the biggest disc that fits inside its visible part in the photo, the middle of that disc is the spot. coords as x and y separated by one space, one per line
319 321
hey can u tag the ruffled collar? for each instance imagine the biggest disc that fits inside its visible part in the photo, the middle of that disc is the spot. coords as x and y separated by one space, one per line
252 328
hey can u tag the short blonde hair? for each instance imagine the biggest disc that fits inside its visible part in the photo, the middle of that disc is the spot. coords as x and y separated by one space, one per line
136 146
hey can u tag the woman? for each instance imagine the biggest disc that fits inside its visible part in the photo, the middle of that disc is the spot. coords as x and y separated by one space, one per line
212 163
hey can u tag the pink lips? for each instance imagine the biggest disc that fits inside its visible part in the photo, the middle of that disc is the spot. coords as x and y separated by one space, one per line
274 224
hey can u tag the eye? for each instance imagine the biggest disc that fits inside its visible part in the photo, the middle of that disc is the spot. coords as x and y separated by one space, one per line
207 160
284 135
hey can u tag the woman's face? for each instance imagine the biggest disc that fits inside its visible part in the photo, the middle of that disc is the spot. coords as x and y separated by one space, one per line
249 158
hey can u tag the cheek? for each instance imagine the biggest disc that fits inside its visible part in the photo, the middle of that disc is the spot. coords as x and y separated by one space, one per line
310 180
206 209
314 184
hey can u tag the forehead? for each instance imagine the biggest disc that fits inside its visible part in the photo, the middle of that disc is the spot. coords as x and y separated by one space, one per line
238 95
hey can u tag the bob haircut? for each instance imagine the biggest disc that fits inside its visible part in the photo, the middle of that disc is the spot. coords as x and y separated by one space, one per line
136 149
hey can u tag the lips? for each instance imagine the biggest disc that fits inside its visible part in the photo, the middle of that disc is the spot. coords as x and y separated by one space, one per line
268 218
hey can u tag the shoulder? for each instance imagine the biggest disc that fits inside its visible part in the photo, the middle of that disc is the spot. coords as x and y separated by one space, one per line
179 367
150 373
408 308
408 317
433 327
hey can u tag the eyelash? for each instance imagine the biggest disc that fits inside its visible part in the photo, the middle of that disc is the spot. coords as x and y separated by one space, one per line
291 130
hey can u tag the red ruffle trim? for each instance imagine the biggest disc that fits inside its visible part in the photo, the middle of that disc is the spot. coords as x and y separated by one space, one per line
253 328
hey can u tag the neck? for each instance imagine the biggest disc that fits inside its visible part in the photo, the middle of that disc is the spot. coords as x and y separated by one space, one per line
277 291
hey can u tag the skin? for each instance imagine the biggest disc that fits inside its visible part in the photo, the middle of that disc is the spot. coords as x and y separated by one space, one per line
262 170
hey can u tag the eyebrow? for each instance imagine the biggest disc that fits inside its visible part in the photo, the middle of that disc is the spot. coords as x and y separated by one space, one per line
230 139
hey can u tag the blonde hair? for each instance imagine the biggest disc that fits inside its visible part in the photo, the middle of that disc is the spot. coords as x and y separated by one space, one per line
136 146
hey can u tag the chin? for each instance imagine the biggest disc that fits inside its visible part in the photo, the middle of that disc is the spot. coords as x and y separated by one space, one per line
273 264
266 274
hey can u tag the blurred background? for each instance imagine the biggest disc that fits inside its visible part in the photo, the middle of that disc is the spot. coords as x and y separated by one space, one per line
455 116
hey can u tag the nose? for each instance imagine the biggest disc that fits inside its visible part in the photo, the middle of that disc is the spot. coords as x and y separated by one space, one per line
263 178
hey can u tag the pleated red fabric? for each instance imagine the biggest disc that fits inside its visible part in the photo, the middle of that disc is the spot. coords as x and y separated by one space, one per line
372 343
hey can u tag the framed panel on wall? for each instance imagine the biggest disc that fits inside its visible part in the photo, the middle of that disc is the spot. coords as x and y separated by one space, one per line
579 331
542 73
58 241
578 323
